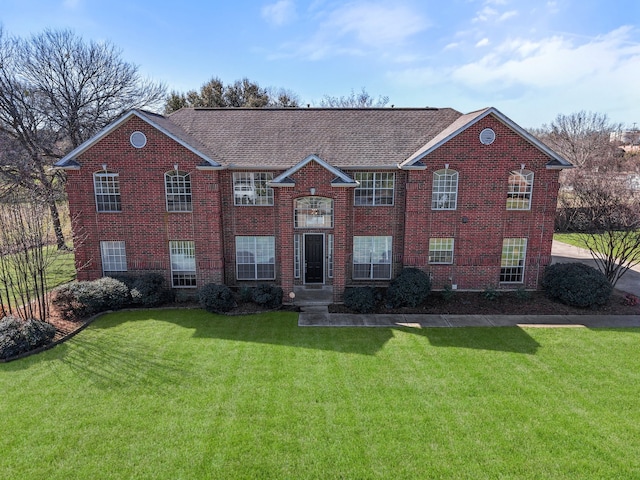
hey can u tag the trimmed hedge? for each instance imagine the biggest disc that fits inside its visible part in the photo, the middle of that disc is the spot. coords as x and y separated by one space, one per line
409 289
81 299
576 284
216 298
147 290
269 296
19 336
361 299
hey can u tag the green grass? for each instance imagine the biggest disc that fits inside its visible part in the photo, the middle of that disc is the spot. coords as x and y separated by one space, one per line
569 238
183 394
62 269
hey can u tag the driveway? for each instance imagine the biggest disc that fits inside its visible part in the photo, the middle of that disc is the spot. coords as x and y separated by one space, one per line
563 253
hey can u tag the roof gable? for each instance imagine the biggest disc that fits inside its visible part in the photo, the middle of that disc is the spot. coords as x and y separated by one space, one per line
463 123
341 180
69 161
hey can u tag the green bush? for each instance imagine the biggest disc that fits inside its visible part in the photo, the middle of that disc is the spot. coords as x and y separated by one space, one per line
448 293
20 336
361 299
147 290
491 293
80 299
245 294
216 298
269 296
576 284
409 289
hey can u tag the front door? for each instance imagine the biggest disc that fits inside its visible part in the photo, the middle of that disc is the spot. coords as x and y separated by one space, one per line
313 258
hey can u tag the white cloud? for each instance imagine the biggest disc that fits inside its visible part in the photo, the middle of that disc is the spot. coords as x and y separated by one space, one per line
358 29
71 4
376 24
483 43
533 80
279 13
507 15
485 14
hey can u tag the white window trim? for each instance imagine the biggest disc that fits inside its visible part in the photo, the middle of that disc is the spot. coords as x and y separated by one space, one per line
438 243
244 188
111 258
182 247
186 180
253 252
115 183
527 194
507 261
330 255
371 263
375 191
328 213
440 176
296 256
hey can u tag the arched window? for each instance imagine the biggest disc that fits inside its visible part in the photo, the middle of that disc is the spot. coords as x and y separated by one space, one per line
444 194
519 190
178 189
313 212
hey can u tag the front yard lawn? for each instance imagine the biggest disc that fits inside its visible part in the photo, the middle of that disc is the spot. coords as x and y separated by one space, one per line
187 394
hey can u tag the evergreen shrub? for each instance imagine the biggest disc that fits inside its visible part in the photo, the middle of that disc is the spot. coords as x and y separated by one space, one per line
576 284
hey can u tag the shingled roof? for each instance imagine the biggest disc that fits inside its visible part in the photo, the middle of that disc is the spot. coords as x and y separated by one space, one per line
280 138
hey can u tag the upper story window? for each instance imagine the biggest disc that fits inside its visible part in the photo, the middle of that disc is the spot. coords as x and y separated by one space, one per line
107 190
520 188
375 188
444 194
250 188
313 212
178 191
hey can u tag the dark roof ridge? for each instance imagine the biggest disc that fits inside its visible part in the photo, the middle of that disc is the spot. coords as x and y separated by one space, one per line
434 109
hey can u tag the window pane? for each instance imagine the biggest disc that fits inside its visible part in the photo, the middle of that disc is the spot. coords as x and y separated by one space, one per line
313 212
372 257
519 190
178 191
183 263
513 259
255 258
374 189
444 194
107 192
114 258
250 188
441 250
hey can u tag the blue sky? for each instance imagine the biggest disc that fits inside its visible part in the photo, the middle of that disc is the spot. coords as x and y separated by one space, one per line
530 59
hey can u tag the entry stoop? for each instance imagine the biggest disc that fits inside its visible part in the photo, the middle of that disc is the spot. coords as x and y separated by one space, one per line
313 295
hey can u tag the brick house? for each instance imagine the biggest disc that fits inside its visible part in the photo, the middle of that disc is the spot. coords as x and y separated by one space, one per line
307 197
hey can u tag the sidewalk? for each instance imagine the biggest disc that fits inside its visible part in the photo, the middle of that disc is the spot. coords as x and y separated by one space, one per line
319 316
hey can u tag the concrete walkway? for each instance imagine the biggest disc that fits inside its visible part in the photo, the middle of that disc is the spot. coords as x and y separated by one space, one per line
319 316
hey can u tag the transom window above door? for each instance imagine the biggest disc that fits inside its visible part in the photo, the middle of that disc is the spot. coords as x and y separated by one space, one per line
313 212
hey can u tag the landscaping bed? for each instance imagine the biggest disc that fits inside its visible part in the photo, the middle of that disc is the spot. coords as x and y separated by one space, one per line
504 303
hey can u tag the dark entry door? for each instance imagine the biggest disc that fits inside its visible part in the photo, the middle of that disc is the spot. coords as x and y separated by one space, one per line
313 259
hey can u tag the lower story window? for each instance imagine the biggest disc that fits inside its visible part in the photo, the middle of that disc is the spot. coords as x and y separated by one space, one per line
512 263
372 258
441 250
114 257
255 258
183 264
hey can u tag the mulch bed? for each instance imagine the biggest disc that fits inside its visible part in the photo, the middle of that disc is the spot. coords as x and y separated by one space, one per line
507 303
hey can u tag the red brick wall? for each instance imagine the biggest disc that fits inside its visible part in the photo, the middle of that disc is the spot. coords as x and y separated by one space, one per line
144 224
481 219
478 225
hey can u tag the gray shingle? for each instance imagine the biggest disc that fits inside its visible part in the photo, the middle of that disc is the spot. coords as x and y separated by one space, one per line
280 138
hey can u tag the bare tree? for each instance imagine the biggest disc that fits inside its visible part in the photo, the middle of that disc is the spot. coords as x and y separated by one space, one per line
608 211
241 93
361 99
56 91
26 256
